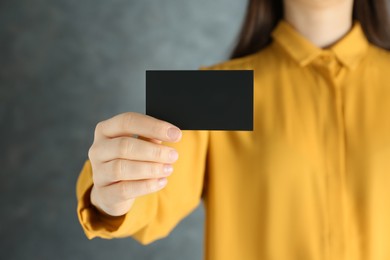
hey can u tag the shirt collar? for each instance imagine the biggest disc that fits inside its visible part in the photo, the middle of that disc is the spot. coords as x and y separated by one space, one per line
349 50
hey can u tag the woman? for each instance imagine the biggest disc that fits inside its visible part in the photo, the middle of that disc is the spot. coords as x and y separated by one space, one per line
310 182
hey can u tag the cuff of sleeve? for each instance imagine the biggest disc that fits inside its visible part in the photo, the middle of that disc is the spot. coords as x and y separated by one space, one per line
96 224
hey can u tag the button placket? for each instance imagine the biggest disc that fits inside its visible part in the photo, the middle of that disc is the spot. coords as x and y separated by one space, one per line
339 195
333 73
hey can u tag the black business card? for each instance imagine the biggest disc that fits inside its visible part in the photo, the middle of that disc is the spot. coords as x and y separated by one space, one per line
201 99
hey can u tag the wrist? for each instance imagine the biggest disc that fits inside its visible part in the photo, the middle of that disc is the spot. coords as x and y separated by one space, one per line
100 211
95 205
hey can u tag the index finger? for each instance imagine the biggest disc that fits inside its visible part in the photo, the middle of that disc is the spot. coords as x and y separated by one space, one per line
132 123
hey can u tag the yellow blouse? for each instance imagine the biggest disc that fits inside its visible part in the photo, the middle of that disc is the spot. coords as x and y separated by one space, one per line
312 181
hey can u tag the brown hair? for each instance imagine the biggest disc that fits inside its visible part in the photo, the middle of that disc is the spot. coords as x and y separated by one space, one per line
263 15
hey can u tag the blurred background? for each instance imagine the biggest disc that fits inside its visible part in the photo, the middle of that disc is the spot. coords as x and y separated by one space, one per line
66 65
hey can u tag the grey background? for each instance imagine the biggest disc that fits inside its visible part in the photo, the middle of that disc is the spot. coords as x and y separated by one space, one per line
66 65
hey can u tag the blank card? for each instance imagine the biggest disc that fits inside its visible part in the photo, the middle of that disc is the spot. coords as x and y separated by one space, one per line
201 99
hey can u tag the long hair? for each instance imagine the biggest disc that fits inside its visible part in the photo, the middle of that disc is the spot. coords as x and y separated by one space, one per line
263 15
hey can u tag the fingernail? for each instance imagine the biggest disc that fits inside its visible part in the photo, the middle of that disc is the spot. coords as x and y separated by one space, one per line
162 181
168 168
173 155
173 133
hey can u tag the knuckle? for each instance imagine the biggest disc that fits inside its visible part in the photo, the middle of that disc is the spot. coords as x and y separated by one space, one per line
95 179
157 152
125 147
128 120
98 128
124 190
92 152
118 171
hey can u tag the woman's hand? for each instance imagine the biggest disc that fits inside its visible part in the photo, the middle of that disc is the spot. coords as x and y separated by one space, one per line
124 166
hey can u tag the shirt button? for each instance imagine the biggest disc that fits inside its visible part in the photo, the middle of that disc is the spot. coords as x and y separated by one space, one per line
326 58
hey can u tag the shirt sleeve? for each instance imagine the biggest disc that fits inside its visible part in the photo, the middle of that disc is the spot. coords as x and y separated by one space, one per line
152 216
